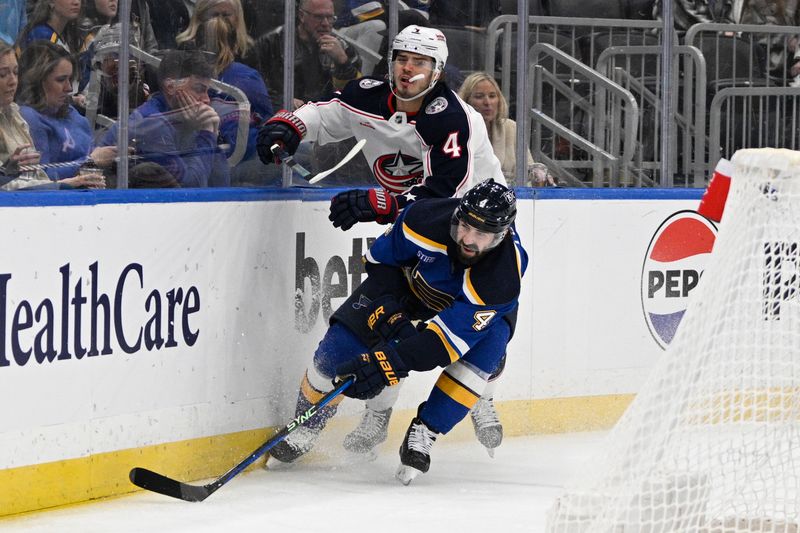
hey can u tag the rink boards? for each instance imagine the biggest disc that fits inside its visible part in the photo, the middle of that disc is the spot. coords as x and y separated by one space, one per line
170 329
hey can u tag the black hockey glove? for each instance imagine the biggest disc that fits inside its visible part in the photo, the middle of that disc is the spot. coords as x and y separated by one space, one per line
388 319
285 129
360 205
373 371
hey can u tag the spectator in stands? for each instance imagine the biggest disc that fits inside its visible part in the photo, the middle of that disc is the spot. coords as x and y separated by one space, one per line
687 13
60 134
99 13
777 13
102 86
355 11
481 91
54 21
16 145
217 26
13 20
177 127
323 62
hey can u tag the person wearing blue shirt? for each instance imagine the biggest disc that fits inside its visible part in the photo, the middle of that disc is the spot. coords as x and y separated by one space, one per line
54 21
13 20
218 26
456 267
60 134
177 127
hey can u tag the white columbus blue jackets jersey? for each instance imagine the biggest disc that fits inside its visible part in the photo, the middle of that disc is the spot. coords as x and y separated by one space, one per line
467 301
445 145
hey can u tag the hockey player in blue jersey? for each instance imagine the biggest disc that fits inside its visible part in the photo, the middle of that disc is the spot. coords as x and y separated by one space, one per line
455 266
422 141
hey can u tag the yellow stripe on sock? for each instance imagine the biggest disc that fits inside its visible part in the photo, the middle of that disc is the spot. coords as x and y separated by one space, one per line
313 395
456 391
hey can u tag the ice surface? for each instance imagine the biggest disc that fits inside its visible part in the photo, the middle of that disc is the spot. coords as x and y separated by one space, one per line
465 491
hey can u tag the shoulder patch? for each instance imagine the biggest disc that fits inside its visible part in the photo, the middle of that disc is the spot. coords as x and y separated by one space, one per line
367 83
438 105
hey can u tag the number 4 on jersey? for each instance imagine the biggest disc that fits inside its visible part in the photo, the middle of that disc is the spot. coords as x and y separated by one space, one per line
451 146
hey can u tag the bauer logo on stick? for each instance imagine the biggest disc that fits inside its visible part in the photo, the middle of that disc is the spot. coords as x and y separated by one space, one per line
673 266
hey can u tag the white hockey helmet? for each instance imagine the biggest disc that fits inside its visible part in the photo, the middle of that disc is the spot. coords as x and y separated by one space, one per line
424 41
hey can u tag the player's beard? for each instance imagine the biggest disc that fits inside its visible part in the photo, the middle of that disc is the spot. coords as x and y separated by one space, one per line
468 260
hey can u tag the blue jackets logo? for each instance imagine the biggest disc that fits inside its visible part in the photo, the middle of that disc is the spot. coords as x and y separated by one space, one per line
672 268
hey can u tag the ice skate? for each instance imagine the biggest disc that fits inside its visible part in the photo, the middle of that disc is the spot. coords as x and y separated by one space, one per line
371 431
487 424
415 452
298 443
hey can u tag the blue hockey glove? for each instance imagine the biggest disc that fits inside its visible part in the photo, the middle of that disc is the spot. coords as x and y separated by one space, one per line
360 205
373 371
285 129
388 319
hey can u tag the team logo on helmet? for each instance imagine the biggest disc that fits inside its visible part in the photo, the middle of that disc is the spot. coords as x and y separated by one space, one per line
369 84
675 261
397 172
438 105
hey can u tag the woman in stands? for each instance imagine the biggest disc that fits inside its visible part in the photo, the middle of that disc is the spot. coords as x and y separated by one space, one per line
218 26
54 21
481 91
16 144
60 134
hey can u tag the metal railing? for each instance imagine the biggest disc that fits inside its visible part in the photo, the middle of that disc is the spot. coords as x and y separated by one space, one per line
610 110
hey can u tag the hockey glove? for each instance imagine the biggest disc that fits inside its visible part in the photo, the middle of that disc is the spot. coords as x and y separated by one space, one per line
360 205
388 319
285 129
373 371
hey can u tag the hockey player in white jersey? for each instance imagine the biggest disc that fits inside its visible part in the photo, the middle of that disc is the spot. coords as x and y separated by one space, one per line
422 141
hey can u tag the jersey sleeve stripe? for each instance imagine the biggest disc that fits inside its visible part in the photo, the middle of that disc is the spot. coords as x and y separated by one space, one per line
469 290
456 391
369 258
457 342
423 242
451 351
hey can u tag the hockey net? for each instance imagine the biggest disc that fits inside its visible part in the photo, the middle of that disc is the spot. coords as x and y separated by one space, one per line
711 444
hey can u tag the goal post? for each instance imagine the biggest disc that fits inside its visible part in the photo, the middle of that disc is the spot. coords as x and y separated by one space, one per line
711 443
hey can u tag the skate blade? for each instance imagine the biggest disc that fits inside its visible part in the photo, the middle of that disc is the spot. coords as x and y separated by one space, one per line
406 474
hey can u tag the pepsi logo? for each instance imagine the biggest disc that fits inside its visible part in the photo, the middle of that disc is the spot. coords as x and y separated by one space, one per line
673 266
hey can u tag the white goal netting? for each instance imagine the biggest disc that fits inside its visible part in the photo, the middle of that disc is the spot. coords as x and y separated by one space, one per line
711 444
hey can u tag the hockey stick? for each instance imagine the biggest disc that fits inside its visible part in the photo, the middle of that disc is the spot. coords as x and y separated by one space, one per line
153 481
278 151
353 151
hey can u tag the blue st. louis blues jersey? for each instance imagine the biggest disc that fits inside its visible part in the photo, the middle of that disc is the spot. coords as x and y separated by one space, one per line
466 302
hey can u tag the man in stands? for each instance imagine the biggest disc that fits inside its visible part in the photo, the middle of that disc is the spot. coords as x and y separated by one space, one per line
177 127
323 62
467 264
423 141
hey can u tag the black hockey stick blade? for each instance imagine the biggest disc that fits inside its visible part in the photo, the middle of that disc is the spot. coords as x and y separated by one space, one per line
155 482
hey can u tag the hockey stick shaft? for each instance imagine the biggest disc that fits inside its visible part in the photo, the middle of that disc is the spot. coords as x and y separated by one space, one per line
155 482
278 151
353 151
